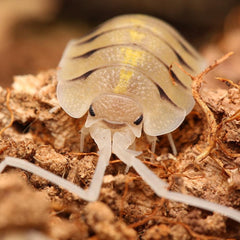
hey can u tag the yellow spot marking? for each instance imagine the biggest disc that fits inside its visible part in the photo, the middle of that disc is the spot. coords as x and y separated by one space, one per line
136 36
122 85
131 56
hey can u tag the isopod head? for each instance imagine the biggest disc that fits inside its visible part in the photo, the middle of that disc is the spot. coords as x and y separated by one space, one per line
115 111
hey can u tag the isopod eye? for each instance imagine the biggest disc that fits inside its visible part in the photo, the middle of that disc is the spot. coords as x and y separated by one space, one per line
92 113
139 120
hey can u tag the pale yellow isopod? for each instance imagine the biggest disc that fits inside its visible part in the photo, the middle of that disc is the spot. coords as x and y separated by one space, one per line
127 61
120 73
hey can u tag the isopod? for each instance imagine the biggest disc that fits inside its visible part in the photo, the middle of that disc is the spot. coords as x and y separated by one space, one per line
123 74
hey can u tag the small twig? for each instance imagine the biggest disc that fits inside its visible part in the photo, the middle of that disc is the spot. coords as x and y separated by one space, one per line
219 162
128 180
153 164
3 149
84 154
10 110
214 65
183 70
226 152
186 176
236 115
154 155
115 161
196 85
228 82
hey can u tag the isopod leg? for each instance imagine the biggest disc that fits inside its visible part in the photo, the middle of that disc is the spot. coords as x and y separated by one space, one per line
152 140
102 137
172 144
84 132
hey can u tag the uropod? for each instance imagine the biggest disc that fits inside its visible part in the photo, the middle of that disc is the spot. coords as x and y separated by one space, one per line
123 74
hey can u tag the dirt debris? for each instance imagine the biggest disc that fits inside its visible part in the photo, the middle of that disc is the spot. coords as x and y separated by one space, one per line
158 232
61 228
24 235
101 219
21 207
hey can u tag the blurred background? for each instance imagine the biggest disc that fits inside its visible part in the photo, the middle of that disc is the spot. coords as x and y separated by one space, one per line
34 33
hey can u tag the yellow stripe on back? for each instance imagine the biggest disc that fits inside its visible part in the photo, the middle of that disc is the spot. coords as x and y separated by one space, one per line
131 57
136 36
122 85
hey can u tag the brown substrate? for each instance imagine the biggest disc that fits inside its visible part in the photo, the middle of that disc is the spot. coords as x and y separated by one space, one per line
127 208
